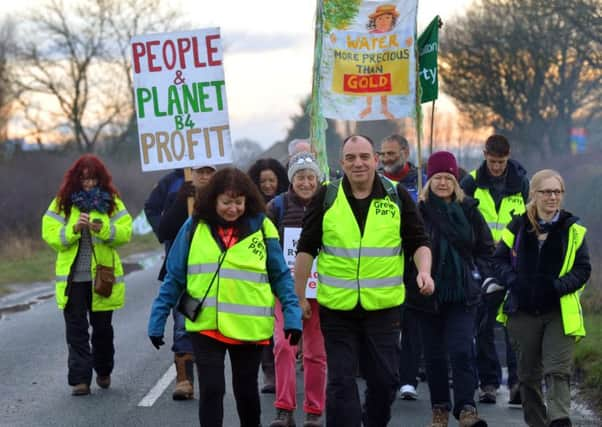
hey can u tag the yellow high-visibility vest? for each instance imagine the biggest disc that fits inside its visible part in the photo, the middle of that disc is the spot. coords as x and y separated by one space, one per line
497 220
57 231
367 268
240 302
570 306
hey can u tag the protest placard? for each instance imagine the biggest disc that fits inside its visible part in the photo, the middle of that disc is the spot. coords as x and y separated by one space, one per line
180 97
289 247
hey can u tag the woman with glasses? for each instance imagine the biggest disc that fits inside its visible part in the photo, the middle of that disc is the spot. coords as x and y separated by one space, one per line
543 259
227 263
84 224
287 210
462 248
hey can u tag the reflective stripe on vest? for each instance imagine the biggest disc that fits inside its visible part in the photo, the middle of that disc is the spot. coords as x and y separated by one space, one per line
62 233
497 220
570 306
353 268
240 303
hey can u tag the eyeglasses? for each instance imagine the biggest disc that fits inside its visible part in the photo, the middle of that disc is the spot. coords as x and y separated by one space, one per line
302 160
548 193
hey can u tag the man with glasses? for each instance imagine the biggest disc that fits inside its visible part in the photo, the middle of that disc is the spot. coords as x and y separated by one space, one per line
502 188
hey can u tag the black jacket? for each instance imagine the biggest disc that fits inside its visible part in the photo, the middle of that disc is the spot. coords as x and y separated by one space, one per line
482 248
532 274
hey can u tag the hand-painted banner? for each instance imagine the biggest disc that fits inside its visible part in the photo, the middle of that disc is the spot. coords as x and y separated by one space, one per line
367 69
180 96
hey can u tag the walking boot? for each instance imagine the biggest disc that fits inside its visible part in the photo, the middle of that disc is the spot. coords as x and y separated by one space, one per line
440 417
561 422
284 418
470 418
103 381
313 420
184 389
80 390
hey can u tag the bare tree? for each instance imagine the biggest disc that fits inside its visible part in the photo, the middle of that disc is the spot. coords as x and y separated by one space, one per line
61 56
128 18
525 67
76 79
7 29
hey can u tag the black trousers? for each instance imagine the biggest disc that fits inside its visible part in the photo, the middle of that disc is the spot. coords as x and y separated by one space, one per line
209 357
83 358
411 347
448 340
370 338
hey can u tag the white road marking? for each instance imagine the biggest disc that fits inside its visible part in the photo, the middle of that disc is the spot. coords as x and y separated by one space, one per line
158 389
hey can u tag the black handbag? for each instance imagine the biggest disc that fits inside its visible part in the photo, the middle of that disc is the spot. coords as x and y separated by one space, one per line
190 306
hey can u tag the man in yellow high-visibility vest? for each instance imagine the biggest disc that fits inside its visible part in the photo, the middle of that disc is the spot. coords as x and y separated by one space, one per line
501 186
361 227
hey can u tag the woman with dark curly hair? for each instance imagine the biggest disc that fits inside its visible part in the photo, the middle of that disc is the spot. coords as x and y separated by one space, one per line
85 222
227 264
269 176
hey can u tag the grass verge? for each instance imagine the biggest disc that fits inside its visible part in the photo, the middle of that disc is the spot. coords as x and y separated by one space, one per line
28 261
588 360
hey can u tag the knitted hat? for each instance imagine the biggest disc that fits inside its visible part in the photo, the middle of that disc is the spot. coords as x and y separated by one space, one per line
302 161
441 161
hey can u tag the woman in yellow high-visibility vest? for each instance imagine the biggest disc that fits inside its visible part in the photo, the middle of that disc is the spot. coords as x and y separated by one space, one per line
84 224
544 261
228 257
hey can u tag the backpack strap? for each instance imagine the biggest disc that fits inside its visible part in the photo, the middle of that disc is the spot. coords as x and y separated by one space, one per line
333 187
331 193
279 203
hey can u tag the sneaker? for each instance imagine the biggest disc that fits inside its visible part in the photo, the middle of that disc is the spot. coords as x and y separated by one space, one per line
561 422
80 390
515 398
470 418
408 392
284 418
313 420
488 394
103 381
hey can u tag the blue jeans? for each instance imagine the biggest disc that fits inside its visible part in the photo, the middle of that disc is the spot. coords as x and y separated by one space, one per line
449 334
181 339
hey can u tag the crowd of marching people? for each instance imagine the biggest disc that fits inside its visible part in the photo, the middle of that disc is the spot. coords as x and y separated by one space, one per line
414 271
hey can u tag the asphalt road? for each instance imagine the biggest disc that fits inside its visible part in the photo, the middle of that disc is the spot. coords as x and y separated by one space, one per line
33 372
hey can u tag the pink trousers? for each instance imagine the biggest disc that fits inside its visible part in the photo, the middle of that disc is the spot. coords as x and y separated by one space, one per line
314 364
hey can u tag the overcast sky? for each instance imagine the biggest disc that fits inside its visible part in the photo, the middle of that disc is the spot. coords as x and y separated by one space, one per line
268 55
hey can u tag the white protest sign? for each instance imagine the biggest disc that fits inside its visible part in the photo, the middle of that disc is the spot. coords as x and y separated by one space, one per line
180 97
289 247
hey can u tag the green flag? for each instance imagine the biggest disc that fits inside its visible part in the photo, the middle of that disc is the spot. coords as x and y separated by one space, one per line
428 45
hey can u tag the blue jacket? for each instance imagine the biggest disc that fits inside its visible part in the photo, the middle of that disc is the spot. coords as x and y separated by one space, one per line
175 281
161 198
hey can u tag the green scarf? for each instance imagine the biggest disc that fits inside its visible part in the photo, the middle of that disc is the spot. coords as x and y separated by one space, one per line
450 220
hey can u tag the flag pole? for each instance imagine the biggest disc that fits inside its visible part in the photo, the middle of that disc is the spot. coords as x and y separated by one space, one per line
432 126
318 124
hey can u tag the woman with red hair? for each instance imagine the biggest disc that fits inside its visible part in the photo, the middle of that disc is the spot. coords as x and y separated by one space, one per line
85 222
